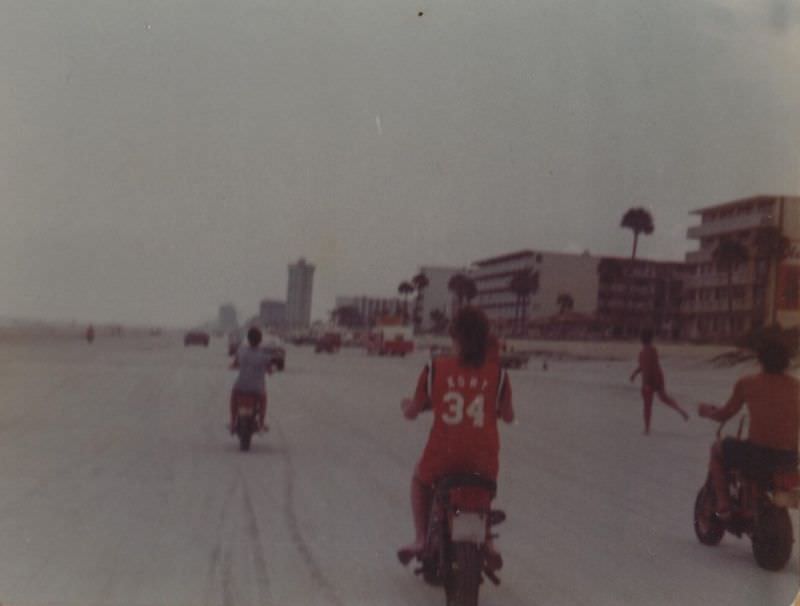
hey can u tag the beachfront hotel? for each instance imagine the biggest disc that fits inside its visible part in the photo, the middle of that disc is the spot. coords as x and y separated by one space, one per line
763 290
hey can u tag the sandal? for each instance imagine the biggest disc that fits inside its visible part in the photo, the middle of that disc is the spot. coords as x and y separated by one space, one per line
408 553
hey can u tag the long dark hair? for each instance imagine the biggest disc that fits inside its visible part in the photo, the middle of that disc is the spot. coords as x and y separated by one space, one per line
470 329
774 355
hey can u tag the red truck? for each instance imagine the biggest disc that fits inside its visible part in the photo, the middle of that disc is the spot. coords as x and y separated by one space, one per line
391 341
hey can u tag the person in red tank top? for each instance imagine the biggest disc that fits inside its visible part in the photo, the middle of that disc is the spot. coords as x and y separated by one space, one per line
467 393
653 380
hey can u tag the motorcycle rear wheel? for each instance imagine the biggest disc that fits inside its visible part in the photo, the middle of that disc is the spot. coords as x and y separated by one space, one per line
464 576
245 431
707 527
772 538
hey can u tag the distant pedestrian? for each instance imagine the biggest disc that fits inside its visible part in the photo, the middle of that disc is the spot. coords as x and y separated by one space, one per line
653 380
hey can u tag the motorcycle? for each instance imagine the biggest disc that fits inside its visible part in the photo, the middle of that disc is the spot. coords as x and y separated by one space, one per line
247 409
759 509
455 552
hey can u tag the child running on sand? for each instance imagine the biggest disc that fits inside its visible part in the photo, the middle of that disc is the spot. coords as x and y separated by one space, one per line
653 380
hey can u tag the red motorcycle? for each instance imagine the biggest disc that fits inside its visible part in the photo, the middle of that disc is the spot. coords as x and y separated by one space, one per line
759 509
246 420
455 553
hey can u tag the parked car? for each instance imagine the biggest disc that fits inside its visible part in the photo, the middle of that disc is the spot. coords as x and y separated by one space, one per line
330 342
196 337
277 354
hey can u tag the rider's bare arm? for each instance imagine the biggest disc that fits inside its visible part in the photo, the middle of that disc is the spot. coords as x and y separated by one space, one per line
505 408
732 406
421 402
636 372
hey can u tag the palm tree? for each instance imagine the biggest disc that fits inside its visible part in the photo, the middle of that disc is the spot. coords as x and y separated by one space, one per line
639 221
772 247
405 289
565 302
727 256
420 282
463 289
524 283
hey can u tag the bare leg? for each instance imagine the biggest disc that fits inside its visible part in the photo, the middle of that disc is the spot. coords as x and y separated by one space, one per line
421 496
420 508
232 410
667 399
716 470
263 421
647 399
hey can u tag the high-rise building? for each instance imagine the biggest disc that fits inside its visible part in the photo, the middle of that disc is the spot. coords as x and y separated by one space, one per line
763 289
227 319
298 295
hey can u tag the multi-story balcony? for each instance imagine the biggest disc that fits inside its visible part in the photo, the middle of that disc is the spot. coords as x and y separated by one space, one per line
716 306
696 257
719 227
738 278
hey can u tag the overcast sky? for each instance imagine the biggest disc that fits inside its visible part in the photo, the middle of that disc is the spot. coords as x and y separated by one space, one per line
160 157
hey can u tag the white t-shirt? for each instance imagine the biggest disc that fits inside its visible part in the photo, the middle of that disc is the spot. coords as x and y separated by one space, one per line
253 363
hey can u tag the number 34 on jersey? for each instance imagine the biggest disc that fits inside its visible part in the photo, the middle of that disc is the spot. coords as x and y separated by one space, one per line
457 410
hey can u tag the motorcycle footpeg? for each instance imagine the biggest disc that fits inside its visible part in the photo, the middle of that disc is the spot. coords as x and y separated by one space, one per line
496 517
490 574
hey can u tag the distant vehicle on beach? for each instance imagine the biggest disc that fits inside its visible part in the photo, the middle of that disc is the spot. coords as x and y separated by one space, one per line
196 337
330 342
391 340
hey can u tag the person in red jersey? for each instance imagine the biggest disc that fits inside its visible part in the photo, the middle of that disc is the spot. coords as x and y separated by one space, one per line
467 393
653 380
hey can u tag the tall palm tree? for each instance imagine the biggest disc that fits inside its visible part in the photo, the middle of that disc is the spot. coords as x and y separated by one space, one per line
565 302
523 284
772 247
729 254
639 221
420 283
405 289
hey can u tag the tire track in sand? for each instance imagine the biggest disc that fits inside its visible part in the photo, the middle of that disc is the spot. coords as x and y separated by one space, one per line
317 576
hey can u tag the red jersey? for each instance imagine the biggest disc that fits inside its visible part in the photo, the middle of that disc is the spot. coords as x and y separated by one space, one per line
465 402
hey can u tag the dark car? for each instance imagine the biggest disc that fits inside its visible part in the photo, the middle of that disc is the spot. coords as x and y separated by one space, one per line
330 342
277 355
196 337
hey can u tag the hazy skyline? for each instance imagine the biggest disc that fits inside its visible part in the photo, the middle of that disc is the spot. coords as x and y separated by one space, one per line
160 158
